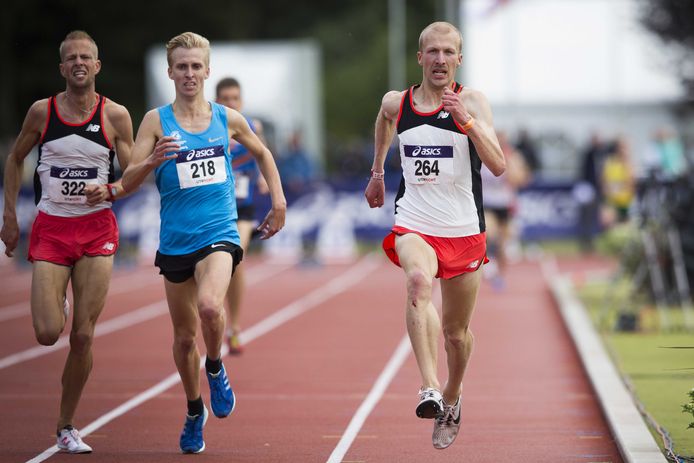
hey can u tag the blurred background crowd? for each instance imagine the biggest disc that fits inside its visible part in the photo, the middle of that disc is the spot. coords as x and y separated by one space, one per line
593 102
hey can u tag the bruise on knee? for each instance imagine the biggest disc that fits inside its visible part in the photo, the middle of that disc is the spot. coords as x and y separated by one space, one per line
418 287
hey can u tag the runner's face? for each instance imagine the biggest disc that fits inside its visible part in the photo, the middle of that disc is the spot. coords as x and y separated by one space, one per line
439 57
189 70
230 97
79 64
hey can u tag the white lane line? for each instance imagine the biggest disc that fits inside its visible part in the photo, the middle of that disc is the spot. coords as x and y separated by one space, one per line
22 309
130 282
109 326
367 406
13 311
267 270
134 317
153 391
354 275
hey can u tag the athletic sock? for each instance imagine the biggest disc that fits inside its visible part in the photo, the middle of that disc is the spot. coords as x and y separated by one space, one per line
195 407
213 366
67 426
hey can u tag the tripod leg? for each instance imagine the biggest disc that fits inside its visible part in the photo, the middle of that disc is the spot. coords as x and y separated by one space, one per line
683 290
656 275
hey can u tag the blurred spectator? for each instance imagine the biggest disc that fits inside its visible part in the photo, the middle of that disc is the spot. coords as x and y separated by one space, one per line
588 191
618 183
296 168
528 149
500 195
668 153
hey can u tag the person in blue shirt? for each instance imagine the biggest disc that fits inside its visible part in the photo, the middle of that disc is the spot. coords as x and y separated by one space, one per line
186 145
247 180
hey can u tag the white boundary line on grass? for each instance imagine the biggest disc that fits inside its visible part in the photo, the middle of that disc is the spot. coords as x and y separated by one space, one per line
349 278
634 440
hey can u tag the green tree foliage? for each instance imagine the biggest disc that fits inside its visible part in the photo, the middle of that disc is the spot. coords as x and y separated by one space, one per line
672 21
352 34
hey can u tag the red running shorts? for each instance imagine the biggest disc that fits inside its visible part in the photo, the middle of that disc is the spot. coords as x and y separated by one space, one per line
64 240
455 255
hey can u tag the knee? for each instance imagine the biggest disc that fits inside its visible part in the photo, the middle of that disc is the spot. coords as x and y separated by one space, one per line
458 337
418 286
211 316
184 342
210 313
46 336
81 342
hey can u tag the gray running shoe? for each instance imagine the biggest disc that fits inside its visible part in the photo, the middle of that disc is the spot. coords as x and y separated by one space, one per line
446 426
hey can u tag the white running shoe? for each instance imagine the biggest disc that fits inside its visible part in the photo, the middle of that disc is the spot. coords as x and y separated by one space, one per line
430 403
446 426
69 439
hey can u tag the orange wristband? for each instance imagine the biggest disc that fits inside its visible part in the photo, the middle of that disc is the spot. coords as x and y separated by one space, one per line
468 125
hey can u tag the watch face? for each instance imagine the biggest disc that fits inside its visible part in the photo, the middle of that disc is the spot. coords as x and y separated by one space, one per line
114 191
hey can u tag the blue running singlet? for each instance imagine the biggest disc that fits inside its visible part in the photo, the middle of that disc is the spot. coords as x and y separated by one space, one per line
197 188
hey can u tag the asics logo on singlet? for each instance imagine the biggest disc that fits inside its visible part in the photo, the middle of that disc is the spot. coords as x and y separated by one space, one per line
176 135
421 151
73 173
201 153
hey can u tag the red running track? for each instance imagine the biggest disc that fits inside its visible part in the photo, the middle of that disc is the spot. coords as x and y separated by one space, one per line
322 378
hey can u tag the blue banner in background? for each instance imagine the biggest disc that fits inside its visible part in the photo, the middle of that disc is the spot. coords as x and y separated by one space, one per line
548 210
332 216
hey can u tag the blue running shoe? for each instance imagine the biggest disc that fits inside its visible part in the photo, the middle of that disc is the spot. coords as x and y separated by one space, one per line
222 397
191 436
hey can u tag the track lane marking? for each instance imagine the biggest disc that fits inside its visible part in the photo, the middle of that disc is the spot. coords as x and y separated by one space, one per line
392 367
121 322
349 278
127 283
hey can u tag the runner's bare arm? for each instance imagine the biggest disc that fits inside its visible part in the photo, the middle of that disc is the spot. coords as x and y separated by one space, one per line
150 150
471 107
241 132
120 127
28 136
383 137
262 183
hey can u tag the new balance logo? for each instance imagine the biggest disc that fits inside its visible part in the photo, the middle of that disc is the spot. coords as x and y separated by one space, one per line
108 246
473 264
443 115
93 128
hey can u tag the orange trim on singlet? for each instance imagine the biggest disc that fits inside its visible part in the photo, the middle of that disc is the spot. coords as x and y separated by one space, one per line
72 124
440 108
402 102
419 113
103 125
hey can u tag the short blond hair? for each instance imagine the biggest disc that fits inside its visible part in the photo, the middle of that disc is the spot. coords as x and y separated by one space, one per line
78 35
188 40
441 27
